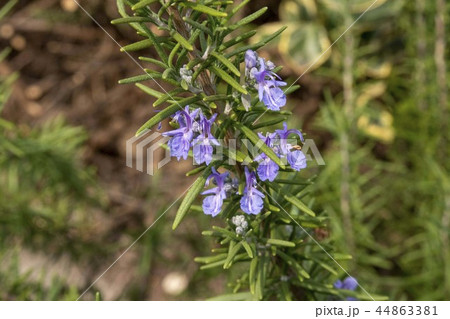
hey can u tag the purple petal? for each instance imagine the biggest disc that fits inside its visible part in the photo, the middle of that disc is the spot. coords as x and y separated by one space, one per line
297 160
212 205
350 283
251 204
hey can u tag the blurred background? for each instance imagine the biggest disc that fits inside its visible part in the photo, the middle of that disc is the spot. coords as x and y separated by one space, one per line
376 105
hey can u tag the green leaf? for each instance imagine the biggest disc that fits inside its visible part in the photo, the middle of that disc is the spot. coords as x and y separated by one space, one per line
121 7
234 249
260 279
167 112
269 122
279 242
231 207
248 249
213 265
301 272
299 204
195 170
131 20
252 274
137 46
182 41
172 54
154 61
158 118
162 54
292 182
192 194
199 26
210 259
322 264
5 9
273 208
249 18
313 286
142 4
202 8
225 232
150 91
257 45
237 155
232 297
291 199
238 7
227 78
257 141
138 78
237 39
226 62
291 89
218 97
170 95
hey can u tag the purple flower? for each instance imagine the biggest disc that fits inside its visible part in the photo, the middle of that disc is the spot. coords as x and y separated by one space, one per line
250 59
295 157
213 204
267 169
283 135
203 149
268 86
180 142
349 283
297 160
267 82
251 202
272 96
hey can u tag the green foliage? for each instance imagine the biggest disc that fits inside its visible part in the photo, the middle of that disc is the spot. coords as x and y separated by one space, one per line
277 257
45 192
385 183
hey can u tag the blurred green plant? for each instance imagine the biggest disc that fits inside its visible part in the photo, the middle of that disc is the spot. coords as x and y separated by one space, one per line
315 30
199 49
44 196
386 182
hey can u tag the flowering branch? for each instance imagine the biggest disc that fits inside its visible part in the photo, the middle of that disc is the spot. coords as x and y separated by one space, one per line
258 188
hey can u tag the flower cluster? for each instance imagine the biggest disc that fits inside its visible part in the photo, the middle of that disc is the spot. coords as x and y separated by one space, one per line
240 223
259 73
194 132
183 138
252 199
278 141
213 204
186 74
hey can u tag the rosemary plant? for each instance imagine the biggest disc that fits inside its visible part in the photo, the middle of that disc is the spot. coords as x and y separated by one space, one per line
223 103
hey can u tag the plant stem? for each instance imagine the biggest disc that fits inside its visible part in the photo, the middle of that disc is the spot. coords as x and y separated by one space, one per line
441 79
441 70
347 79
204 77
421 46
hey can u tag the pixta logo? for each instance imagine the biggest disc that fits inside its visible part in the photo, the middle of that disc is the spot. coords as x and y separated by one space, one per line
145 148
